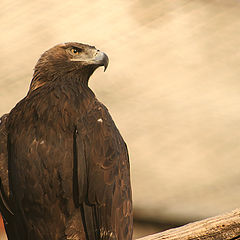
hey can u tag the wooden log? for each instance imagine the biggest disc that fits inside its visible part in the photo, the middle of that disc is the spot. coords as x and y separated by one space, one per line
222 227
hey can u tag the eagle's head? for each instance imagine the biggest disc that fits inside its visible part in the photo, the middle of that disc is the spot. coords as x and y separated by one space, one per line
68 61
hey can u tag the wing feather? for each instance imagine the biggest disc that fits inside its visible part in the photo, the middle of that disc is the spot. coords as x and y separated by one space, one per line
108 204
5 201
4 183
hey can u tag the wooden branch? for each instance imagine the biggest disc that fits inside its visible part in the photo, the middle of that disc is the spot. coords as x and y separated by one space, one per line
222 227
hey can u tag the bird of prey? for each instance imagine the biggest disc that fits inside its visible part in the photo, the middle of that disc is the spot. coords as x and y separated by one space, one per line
64 167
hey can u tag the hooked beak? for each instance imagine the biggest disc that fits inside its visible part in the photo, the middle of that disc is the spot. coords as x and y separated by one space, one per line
101 59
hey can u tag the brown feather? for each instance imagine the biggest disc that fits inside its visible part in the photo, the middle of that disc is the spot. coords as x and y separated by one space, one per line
68 164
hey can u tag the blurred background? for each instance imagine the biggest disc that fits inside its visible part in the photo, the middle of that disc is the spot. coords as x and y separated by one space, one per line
172 87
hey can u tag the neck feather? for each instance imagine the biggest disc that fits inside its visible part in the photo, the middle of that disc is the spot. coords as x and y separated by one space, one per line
77 80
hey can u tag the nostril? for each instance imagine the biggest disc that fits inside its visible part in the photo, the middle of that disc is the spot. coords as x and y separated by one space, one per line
97 52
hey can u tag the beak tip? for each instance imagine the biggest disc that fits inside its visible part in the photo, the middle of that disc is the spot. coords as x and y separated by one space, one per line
105 61
105 66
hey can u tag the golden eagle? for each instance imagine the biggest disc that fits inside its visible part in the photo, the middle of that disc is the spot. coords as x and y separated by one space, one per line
64 167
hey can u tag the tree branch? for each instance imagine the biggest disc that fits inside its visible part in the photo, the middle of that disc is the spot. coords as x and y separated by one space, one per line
222 227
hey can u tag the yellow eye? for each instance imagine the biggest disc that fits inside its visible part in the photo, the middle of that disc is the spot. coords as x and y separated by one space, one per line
75 51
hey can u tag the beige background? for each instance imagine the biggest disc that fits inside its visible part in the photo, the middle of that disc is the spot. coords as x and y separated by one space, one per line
172 86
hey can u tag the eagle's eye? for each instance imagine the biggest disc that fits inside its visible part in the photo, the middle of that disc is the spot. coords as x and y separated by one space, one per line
75 51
